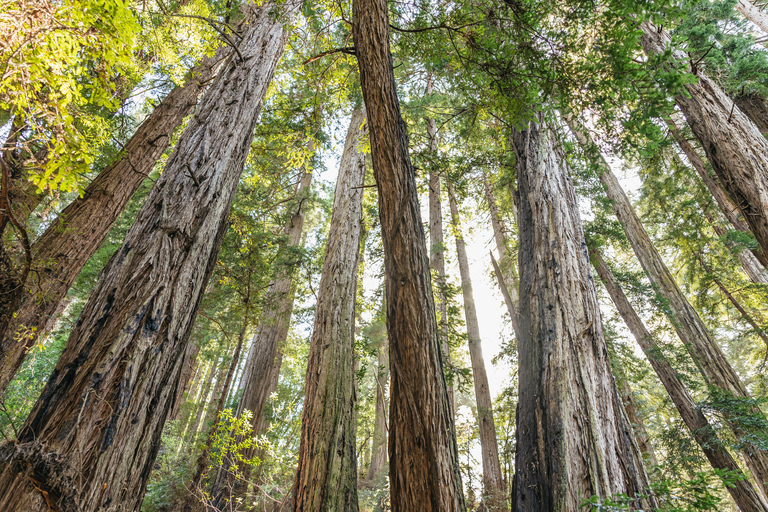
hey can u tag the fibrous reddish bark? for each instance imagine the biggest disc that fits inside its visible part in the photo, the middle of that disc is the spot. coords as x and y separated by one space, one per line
743 492
423 456
702 347
493 482
733 144
64 248
104 407
327 476
574 440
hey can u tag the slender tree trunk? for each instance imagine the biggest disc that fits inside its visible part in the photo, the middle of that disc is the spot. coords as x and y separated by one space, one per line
67 244
734 146
92 438
574 440
506 273
423 456
437 248
638 425
379 445
188 375
730 210
743 493
753 14
327 476
493 483
760 331
260 367
697 339
202 405
202 459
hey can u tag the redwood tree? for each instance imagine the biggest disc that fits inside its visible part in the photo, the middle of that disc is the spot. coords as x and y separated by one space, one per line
92 437
327 474
423 456
574 441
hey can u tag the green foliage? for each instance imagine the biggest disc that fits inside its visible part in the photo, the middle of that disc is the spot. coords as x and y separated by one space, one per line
57 70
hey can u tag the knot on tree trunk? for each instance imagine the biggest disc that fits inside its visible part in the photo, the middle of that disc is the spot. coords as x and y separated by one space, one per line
47 471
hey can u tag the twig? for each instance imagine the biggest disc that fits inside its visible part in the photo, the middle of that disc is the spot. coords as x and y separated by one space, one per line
349 50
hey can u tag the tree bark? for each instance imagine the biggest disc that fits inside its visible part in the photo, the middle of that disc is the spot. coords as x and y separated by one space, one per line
505 271
67 244
379 445
574 440
261 369
638 425
743 493
753 14
733 144
423 456
437 248
706 353
101 415
755 107
326 479
493 482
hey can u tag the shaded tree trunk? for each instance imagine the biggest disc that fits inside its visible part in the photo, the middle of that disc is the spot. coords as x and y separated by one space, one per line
202 405
706 353
493 483
326 479
574 440
93 436
423 456
749 262
379 445
67 244
743 493
261 369
638 425
506 273
437 247
202 459
733 144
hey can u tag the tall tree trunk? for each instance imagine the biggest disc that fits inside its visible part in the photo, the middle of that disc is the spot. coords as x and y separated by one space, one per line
202 459
506 273
188 374
437 247
423 456
379 445
638 425
706 353
92 438
760 331
743 493
730 210
733 144
67 244
753 14
326 479
272 332
574 440
493 483
201 405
